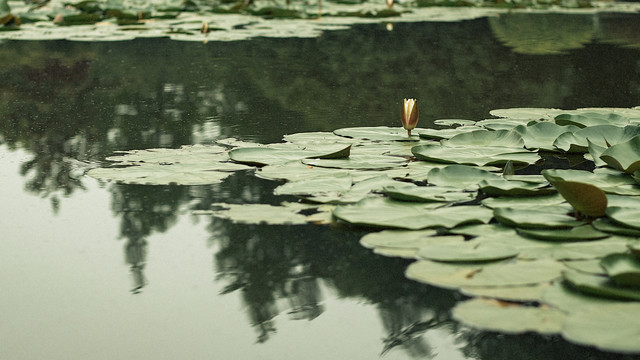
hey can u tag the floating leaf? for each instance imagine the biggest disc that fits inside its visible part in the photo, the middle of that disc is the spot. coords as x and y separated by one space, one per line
499 316
454 123
542 135
318 185
268 155
398 238
525 202
526 113
469 251
525 293
624 156
566 298
380 133
469 155
587 199
459 176
626 216
499 138
541 218
504 273
405 215
359 162
259 214
502 187
581 250
623 269
412 192
606 225
295 170
578 233
442 134
588 266
599 286
588 119
609 327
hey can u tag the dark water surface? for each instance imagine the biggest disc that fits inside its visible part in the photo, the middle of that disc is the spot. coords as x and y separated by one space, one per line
104 271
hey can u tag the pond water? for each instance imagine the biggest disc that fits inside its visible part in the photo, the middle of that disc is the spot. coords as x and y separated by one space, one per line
93 270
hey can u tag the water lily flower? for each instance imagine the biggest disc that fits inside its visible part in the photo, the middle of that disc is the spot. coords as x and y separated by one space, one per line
409 114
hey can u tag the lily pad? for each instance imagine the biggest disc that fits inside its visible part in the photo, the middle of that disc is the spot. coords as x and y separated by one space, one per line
527 113
454 123
469 155
588 119
460 176
603 327
503 273
443 134
405 215
587 199
525 293
524 202
542 135
318 185
412 192
469 251
580 250
578 233
566 298
494 315
259 214
623 269
541 218
379 133
503 187
624 156
626 216
359 162
498 138
599 286
606 225
266 155
398 238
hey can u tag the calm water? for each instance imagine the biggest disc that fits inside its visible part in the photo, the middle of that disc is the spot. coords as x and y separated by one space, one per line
103 271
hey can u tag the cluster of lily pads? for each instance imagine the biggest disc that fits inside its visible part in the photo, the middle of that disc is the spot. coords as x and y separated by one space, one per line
534 214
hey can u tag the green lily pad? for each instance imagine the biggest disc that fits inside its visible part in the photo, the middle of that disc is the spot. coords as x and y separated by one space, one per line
443 134
634 248
588 119
588 266
623 269
578 233
380 133
454 123
318 185
359 162
189 165
527 113
459 176
606 225
624 156
627 216
541 218
412 192
503 187
405 215
599 286
609 327
498 138
580 250
562 296
524 202
503 273
398 238
608 182
493 315
318 137
267 155
295 170
587 199
258 214
542 135
525 293
468 251
469 155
